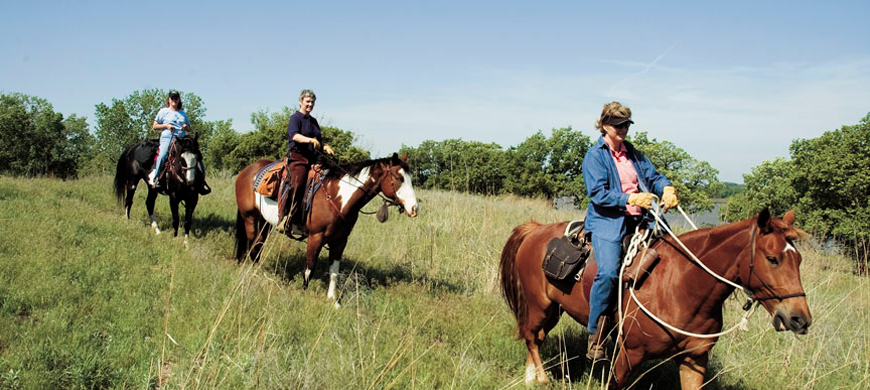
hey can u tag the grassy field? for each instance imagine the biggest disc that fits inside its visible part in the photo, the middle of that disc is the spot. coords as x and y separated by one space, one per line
90 300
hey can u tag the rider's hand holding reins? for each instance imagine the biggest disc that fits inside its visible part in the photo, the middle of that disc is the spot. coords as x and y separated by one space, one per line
328 150
669 197
314 142
642 199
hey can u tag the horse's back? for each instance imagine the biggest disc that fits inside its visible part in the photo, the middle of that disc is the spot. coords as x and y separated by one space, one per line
245 185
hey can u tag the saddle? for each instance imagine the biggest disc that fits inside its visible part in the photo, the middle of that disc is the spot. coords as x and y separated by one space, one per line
269 178
569 254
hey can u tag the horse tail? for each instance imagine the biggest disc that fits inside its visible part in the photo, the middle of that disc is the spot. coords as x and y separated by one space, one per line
511 287
121 175
241 238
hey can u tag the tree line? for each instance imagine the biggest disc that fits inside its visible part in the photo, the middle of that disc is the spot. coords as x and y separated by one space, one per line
824 180
46 143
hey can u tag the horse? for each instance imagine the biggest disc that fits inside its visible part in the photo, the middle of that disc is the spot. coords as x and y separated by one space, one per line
756 254
334 209
180 181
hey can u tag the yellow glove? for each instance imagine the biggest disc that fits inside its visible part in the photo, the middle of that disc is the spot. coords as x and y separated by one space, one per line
314 142
669 196
328 150
642 199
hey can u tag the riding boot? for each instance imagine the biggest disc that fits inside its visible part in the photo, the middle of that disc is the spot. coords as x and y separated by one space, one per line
204 188
283 216
595 350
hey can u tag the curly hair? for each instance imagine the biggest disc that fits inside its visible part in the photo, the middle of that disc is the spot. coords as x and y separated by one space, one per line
612 109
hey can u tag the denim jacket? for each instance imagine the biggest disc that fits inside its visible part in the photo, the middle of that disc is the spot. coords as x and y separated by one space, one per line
606 213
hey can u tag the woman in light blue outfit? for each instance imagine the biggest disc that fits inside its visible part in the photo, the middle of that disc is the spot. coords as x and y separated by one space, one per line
173 122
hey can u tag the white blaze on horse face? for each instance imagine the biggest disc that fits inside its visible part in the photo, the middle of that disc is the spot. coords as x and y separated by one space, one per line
788 247
406 194
190 159
348 185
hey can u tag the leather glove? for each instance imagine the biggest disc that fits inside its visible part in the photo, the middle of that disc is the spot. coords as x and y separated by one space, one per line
669 196
328 150
314 142
642 199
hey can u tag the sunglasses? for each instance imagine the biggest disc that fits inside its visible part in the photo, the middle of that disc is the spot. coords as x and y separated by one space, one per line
622 126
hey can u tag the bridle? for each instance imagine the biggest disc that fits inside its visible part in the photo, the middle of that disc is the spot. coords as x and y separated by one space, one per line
389 172
767 286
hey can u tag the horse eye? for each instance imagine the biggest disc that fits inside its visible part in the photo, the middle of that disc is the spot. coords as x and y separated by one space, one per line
773 260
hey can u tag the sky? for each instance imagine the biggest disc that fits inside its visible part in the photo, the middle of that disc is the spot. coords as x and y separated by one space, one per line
731 82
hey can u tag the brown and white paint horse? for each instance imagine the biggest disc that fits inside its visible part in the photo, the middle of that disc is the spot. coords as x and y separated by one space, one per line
756 254
334 210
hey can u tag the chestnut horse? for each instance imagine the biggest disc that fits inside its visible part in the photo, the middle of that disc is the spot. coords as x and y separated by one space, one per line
756 254
180 181
334 209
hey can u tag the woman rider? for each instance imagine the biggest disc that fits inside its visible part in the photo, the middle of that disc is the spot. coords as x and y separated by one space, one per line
173 122
303 137
619 181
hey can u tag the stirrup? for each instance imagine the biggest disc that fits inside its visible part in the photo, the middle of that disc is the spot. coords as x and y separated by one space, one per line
204 189
595 350
281 227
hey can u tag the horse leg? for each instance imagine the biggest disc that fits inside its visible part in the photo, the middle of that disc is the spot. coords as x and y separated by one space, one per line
692 370
624 363
128 200
336 249
259 232
149 204
189 206
315 243
173 206
539 322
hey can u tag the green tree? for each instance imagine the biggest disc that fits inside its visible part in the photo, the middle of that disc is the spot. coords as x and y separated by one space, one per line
768 185
127 121
38 140
268 140
696 181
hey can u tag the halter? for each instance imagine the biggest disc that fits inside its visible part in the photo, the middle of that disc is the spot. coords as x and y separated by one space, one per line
773 294
387 201
748 307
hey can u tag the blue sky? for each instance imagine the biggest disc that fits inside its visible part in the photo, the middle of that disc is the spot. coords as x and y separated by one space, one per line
732 83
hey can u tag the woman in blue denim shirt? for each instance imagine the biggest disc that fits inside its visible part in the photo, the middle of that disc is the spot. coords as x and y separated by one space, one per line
619 181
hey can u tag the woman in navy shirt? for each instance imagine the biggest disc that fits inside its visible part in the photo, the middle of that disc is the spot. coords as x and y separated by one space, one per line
619 181
303 138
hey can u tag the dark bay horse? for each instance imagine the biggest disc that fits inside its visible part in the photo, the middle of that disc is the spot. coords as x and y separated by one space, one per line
756 254
334 210
180 181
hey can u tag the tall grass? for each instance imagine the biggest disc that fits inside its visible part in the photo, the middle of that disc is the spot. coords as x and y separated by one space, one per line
89 299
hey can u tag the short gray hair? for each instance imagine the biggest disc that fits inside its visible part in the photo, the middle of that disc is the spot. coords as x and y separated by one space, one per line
307 93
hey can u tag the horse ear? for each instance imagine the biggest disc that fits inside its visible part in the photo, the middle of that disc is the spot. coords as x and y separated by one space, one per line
404 156
395 158
764 219
196 137
788 218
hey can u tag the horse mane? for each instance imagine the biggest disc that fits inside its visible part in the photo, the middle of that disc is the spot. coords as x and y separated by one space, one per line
353 169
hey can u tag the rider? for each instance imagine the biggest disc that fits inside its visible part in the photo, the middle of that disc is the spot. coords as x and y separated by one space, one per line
173 122
303 137
618 180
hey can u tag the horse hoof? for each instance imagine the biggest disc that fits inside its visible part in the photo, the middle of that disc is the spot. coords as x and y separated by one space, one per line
337 305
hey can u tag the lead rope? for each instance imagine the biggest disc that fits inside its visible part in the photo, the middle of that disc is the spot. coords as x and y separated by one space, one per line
641 239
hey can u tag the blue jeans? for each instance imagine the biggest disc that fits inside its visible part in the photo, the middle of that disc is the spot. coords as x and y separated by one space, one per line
608 255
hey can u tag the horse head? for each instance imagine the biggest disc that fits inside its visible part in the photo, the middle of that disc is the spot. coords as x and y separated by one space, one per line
185 155
395 183
772 271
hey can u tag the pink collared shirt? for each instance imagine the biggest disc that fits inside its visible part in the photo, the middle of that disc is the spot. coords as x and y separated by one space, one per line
627 175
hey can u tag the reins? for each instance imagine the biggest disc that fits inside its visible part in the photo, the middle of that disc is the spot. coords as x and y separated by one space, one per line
387 201
748 307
